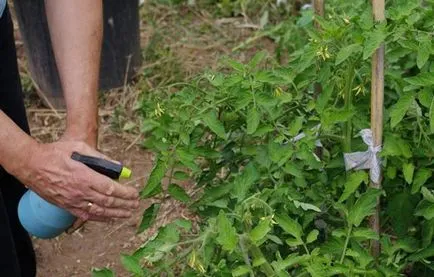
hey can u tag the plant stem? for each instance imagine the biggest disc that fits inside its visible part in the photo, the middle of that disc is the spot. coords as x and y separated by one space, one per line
245 253
178 258
348 95
305 248
266 267
347 240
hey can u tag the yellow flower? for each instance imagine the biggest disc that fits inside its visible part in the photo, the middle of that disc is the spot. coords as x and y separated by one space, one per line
359 89
323 52
278 92
194 263
159 111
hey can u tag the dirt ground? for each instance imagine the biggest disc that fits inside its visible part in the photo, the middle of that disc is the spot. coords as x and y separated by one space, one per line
177 43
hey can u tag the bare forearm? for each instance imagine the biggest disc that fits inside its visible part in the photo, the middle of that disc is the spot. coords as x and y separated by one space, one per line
76 34
15 145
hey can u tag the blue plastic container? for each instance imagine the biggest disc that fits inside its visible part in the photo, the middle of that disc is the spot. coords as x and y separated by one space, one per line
41 218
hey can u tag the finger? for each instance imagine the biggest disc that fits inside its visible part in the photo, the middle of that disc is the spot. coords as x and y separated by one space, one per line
112 201
81 214
109 187
100 219
103 212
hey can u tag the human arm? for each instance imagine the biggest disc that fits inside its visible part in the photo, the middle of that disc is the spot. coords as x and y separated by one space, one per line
76 34
49 170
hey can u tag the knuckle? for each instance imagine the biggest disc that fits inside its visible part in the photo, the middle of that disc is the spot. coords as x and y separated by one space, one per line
77 194
99 211
80 146
83 215
111 189
110 201
124 213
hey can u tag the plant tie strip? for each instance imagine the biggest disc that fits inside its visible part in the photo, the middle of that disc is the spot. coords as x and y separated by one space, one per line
365 160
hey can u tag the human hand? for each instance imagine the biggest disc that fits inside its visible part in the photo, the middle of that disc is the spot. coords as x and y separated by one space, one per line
50 172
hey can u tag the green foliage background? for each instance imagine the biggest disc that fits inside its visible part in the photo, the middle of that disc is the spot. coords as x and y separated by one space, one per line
275 206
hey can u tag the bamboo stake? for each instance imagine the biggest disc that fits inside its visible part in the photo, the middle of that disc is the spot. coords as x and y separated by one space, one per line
377 100
318 7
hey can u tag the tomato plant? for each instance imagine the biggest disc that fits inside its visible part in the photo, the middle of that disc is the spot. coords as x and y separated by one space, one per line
264 151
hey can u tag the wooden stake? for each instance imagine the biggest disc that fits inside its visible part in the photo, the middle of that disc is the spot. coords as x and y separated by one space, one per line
377 100
318 7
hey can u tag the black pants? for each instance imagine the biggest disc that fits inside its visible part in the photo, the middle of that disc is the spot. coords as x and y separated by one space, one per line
17 258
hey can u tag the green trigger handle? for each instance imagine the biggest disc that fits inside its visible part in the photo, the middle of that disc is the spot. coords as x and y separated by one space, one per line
108 168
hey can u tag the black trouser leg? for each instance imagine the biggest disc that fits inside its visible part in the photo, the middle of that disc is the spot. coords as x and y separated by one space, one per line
17 258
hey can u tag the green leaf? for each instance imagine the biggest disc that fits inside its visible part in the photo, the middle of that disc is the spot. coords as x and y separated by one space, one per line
187 158
425 209
227 235
306 206
364 206
408 244
148 217
236 65
398 111
181 175
427 194
178 193
431 116
422 79
365 233
259 56
211 121
102 272
400 208
290 261
184 137
296 126
258 261
289 225
153 185
420 178
366 19
352 184
425 97
253 118
396 146
244 181
260 230
373 41
275 239
293 169
333 116
361 254
423 53
312 236
427 232
131 264
292 242
408 170
240 271
423 254
183 223
279 153
346 52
